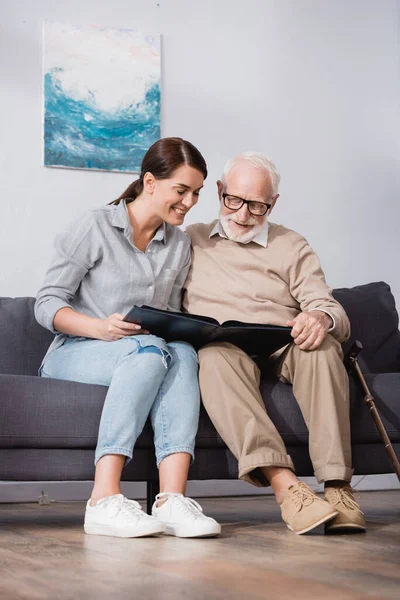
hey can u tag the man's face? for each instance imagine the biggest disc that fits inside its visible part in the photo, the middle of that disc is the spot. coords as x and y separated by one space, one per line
248 183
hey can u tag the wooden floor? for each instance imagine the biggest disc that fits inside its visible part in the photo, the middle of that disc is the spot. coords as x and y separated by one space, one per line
45 554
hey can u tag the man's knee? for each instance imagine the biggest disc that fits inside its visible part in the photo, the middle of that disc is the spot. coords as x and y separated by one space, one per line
217 352
327 357
223 368
329 348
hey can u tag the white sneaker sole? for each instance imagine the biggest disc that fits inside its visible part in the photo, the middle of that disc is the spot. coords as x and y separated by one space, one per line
144 531
323 520
185 532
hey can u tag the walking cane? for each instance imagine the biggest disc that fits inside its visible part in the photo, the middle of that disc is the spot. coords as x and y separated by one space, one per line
370 402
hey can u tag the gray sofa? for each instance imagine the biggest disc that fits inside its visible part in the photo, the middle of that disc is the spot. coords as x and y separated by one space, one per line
48 427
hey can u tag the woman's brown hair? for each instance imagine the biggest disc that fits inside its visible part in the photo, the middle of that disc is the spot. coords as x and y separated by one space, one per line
161 160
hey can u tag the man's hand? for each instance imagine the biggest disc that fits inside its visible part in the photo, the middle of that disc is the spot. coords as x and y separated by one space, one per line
309 329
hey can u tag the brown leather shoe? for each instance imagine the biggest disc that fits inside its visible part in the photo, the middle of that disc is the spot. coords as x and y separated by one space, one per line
302 510
350 517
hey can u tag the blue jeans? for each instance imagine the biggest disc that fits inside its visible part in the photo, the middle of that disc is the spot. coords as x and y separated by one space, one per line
145 376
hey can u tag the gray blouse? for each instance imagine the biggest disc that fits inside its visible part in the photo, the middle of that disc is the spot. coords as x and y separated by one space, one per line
98 271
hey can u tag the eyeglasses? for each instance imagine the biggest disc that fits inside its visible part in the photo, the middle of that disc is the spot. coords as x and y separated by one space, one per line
258 209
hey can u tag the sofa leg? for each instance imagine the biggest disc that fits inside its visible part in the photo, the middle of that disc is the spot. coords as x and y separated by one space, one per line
153 488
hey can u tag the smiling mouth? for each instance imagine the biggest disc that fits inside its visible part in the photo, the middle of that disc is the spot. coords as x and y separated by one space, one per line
179 211
243 224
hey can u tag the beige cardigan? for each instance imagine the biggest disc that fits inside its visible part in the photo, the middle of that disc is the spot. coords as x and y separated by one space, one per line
247 282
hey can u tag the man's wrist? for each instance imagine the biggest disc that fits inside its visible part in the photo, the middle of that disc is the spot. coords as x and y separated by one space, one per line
327 318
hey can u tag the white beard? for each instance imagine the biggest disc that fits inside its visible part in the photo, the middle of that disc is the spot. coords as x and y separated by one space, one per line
246 236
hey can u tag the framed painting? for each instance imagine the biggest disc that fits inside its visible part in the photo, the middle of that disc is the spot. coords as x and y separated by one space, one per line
101 97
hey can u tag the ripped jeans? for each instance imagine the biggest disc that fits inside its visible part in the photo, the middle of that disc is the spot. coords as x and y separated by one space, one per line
146 376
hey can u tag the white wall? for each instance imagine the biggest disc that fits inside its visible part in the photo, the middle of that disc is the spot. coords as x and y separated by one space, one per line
314 84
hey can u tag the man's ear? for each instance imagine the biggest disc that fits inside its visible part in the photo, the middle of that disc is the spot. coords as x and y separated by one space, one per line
220 187
273 202
149 182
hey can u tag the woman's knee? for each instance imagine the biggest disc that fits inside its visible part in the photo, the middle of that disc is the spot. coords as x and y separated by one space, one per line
183 353
153 352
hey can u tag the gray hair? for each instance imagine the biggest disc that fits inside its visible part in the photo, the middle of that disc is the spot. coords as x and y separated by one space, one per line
258 161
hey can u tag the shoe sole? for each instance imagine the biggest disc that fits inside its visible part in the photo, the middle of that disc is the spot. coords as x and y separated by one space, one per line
320 522
345 526
170 530
140 532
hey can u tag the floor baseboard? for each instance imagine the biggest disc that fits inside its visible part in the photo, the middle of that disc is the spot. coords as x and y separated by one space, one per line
11 491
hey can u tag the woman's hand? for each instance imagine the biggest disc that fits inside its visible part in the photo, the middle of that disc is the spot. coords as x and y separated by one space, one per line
114 328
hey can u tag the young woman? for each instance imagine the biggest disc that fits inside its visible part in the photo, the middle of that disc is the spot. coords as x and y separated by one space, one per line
132 252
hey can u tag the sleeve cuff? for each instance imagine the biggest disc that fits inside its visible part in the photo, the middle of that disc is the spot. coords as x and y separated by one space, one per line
329 314
47 312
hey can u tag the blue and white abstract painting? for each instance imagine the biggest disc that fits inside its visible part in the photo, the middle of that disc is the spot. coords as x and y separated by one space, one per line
101 97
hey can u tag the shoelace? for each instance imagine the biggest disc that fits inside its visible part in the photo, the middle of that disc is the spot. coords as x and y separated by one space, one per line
302 495
342 496
185 504
130 508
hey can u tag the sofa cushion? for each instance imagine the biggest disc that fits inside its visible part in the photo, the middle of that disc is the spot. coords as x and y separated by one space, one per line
375 323
23 341
385 389
39 412
50 413
286 415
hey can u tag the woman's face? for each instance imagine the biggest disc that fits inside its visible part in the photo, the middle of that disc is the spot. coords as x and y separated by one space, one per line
172 198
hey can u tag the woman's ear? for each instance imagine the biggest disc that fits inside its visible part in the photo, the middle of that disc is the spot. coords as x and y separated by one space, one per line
149 182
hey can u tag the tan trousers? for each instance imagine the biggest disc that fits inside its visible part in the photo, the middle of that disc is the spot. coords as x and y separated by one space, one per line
229 383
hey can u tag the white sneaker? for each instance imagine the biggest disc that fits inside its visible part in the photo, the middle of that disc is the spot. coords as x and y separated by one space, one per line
183 517
119 517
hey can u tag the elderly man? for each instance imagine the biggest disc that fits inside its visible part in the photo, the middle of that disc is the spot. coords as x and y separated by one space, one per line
245 268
